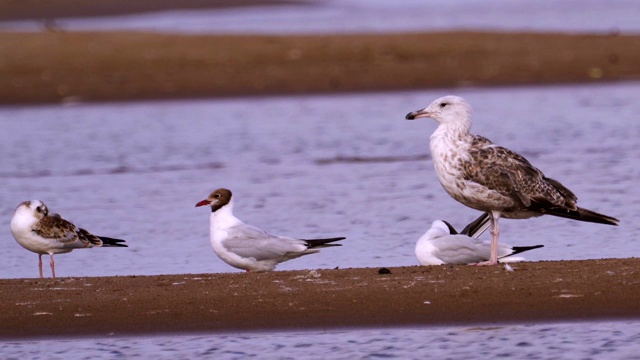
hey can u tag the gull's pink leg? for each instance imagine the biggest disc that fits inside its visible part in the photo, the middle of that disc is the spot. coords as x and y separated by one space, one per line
495 237
40 265
53 267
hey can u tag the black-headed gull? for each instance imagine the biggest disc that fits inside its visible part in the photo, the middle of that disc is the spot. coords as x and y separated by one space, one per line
442 244
493 179
42 233
247 247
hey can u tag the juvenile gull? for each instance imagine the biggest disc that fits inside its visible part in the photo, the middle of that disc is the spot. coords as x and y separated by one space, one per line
491 178
442 244
42 233
247 247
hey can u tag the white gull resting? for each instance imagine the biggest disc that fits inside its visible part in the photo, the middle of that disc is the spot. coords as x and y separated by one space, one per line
491 178
247 247
442 244
36 230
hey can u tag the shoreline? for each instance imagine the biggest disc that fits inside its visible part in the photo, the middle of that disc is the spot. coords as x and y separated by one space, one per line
548 291
75 67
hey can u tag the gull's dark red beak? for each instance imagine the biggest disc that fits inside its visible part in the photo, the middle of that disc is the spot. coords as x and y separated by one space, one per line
203 203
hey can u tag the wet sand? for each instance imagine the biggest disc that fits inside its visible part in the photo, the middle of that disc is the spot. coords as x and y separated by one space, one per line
58 66
320 299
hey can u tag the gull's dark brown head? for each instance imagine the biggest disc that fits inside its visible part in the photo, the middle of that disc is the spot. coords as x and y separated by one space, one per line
216 199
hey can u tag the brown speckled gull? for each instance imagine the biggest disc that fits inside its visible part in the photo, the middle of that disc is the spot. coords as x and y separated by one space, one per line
491 178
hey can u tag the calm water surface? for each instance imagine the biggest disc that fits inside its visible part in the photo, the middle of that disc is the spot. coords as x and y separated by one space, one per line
601 340
352 16
136 170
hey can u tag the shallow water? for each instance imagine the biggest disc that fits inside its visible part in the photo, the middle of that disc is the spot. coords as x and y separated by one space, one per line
611 340
136 170
352 16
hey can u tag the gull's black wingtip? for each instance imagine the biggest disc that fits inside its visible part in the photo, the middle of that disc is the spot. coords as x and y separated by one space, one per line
520 249
583 214
311 243
452 230
111 242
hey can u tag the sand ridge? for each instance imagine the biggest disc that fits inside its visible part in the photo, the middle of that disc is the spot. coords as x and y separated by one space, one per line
320 299
45 67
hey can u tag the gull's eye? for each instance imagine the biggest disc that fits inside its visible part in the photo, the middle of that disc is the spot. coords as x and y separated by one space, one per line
216 196
444 104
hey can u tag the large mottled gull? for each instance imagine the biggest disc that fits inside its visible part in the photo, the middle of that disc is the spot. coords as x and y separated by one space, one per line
491 178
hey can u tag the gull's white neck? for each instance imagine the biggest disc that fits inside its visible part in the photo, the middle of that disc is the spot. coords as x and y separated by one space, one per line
23 220
449 146
223 218
448 138
458 127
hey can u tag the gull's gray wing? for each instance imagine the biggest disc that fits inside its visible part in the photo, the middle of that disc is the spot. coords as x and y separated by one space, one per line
461 249
252 242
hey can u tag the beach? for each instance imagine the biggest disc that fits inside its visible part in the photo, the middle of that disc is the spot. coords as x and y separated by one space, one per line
59 66
529 292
